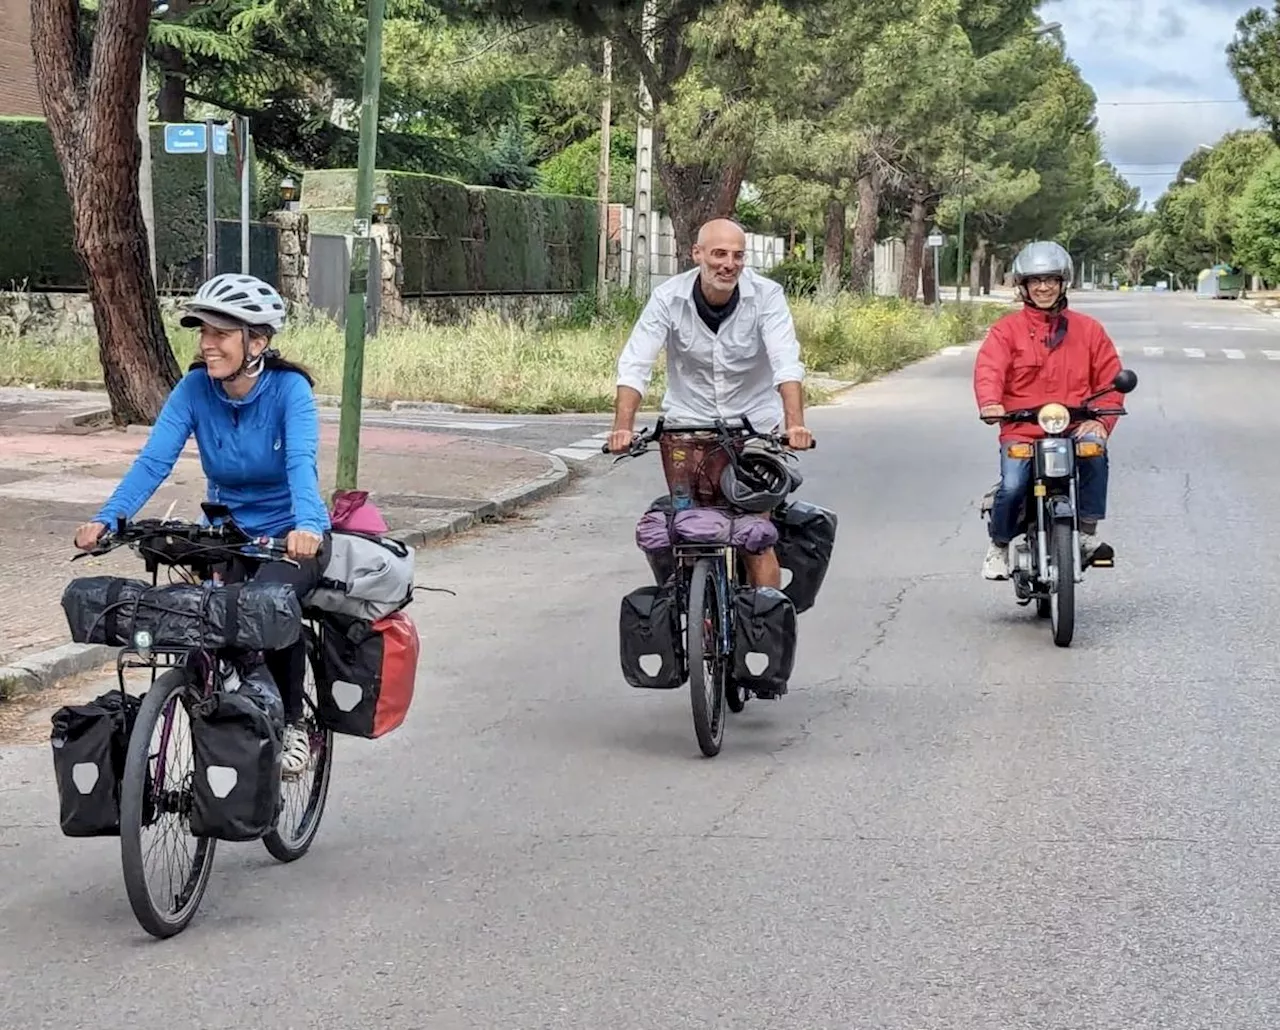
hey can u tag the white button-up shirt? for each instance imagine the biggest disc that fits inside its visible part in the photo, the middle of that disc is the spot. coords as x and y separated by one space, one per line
710 375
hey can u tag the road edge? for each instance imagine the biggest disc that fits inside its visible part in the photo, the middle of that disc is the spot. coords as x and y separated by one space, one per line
45 670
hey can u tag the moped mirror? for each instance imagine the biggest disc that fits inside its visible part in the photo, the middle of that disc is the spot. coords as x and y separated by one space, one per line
1126 380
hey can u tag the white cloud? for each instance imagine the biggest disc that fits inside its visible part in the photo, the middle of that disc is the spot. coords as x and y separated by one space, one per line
1140 56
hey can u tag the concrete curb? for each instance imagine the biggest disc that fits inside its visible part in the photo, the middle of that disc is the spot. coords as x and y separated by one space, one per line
45 670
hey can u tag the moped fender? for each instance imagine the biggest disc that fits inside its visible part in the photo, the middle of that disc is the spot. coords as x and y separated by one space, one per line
1060 508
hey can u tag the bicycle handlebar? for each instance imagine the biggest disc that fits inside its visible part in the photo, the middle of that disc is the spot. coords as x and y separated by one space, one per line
211 538
743 429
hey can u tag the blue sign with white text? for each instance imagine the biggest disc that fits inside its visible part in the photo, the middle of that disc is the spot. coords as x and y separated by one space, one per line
185 139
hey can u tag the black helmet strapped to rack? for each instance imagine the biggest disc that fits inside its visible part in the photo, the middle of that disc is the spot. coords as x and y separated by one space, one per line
757 481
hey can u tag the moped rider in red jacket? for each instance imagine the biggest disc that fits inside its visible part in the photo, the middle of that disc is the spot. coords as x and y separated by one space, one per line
1029 358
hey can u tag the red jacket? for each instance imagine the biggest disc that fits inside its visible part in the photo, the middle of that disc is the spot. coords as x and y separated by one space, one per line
1016 368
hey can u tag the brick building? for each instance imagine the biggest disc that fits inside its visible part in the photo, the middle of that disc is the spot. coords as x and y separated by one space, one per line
18 95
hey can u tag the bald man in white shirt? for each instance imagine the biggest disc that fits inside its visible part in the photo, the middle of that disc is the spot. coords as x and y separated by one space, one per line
731 352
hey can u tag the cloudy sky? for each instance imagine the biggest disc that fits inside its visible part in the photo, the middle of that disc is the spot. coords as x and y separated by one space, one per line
1155 50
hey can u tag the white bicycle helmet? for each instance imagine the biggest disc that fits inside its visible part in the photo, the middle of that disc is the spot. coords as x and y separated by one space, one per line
234 301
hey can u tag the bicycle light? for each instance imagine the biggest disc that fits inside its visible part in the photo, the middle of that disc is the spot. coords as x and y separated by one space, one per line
1053 418
142 640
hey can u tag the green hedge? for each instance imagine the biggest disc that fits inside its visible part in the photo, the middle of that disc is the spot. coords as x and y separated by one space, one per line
459 239
37 244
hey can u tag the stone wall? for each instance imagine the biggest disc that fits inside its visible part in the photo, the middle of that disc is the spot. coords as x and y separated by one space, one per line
53 316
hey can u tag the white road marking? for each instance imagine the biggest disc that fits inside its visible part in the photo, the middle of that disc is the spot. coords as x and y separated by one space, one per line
1235 355
1193 352
1153 352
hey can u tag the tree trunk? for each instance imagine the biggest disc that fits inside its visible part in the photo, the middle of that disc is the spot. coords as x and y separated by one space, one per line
696 194
862 261
928 285
171 101
90 100
916 230
833 248
976 259
985 275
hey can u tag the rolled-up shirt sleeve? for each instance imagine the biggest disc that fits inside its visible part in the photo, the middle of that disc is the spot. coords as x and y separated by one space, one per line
635 364
780 339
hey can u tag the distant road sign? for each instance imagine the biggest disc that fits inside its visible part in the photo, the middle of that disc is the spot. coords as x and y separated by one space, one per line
186 138
937 240
220 138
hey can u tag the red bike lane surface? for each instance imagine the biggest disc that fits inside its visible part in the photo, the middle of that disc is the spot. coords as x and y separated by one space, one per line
54 476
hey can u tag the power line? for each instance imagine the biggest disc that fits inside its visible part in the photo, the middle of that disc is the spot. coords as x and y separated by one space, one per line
1161 103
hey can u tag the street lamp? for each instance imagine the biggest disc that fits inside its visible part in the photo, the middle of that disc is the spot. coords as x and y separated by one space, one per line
288 192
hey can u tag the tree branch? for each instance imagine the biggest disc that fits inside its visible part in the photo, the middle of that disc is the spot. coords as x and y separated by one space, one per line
56 49
115 74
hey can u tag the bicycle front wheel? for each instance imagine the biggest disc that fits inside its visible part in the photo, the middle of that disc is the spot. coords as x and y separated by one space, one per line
707 666
156 799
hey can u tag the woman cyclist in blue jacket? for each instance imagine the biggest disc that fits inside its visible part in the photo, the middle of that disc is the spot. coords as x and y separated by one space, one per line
254 418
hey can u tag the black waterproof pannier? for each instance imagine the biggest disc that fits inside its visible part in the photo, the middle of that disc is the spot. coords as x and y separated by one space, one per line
251 616
236 781
806 536
649 639
764 640
89 744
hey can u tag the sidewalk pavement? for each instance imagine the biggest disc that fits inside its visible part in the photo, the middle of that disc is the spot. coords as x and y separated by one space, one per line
55 472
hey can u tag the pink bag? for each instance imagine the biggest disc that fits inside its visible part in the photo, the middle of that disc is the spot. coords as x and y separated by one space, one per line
354 512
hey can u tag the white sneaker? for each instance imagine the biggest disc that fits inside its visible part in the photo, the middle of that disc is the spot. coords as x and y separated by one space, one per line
996 564
1088 544
296 752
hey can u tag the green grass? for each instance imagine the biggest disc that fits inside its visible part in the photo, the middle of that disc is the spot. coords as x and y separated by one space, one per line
515 367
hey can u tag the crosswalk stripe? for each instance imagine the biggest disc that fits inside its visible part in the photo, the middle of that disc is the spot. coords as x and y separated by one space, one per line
1153 352
1234 354
1193 352
1272 355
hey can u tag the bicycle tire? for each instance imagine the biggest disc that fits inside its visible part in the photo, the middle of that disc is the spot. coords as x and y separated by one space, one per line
284 849
170 686
708 712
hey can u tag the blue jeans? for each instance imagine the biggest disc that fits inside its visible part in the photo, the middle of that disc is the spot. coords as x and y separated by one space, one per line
1015 480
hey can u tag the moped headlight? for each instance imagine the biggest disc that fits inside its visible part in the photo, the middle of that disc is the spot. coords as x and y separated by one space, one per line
1054 418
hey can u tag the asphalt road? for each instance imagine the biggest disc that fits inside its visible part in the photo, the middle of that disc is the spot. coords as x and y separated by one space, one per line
948 823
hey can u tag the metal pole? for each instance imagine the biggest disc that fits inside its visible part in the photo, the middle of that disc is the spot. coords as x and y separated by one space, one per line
144 172
244 196
937 283
606 117
210 234
641 247
358 286
964 158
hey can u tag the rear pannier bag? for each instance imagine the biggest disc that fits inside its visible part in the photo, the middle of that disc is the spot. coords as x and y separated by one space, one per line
367 671
252 616
365 576
764 639
89 746
236 781
806 536
649 639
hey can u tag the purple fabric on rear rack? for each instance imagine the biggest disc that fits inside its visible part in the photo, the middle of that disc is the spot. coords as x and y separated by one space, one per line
703 526
754 534
652 533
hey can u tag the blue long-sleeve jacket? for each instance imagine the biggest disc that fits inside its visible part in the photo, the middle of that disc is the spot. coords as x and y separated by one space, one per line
259 454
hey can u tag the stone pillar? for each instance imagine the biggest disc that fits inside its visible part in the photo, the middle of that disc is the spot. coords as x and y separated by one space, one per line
388 236
292 253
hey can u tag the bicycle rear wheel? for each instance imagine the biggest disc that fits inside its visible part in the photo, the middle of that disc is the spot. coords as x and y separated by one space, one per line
156 795
707 666
302 800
